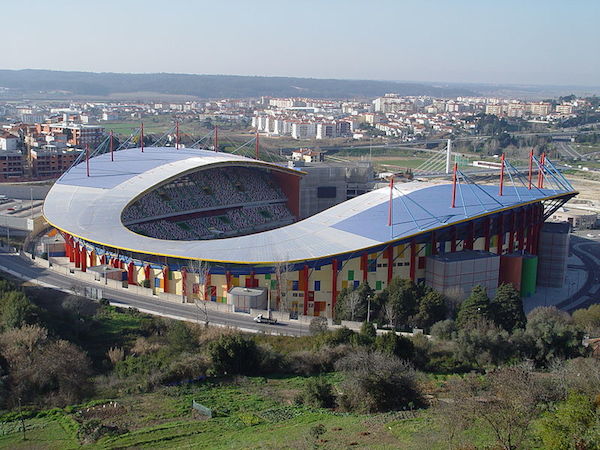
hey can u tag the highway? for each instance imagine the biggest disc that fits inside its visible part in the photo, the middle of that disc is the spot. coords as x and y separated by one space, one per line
183 311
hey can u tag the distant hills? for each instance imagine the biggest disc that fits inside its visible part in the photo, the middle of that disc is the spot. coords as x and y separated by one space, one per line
49 84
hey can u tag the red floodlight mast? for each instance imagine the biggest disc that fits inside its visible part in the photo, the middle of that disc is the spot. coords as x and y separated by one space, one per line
142 138
177 135
454 185
390 204
87 159
501 175
530 167
256 144
541 171
112 158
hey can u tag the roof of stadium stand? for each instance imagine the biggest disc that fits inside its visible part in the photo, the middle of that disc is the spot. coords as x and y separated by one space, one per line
90 208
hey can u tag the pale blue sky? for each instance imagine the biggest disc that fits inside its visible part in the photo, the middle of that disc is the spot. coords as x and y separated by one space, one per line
493 41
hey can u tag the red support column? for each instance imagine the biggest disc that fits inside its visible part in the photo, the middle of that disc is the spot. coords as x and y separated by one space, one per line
529 215
413 259
77 256
142 138
500 235
521 231
511 234
470 236
252 281
130 269
304 275
434 249
207 290
83 256
147 273
177 135
364 266
486 234
184 281
453 239
103 259
228 280
389 254
166 279
334 274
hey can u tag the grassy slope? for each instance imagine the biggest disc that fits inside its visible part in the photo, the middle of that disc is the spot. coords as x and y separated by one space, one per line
250 413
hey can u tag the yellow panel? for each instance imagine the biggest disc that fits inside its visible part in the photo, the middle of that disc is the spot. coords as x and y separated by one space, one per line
344 284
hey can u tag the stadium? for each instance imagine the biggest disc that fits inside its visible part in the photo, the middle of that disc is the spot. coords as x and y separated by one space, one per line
162 214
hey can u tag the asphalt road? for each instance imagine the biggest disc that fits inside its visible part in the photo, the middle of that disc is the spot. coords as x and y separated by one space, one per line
26 268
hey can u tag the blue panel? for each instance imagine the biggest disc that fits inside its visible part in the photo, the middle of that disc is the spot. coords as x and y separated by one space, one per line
294 285
317 286
356 284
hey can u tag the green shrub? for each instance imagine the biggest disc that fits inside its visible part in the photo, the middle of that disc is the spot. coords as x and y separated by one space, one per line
234 354
318 392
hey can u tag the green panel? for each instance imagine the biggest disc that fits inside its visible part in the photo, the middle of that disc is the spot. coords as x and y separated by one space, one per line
267 276
378 285
351 275
529 276
273 284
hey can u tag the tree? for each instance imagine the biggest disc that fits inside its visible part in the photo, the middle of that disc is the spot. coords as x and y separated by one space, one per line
16 310
481 342
475 307
180 337
588 319
431 309
234 354
551 333
392 344
399 301
352 303
202 270
283 270
444 329
318 325
575 424
374 381
507 308
505 402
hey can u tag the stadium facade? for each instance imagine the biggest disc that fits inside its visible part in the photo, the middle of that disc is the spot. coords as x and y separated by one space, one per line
159 213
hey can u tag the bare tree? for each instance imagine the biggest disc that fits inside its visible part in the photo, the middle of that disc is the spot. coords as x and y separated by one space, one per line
283 271
390 313
202 270
353 302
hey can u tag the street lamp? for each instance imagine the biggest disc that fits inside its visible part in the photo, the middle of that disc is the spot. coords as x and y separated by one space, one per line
369 307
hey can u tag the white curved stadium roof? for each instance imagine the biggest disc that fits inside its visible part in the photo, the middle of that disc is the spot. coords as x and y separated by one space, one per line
90 208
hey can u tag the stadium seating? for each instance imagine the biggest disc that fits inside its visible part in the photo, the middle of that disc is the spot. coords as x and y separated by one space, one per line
243 200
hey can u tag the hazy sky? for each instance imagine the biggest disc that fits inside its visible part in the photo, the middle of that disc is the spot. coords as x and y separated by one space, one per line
495 41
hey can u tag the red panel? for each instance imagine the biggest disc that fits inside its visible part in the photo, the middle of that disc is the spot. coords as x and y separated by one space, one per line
304 287
147 272
364 265
228 280
290 185
389 253
413 255
510 271
166 279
